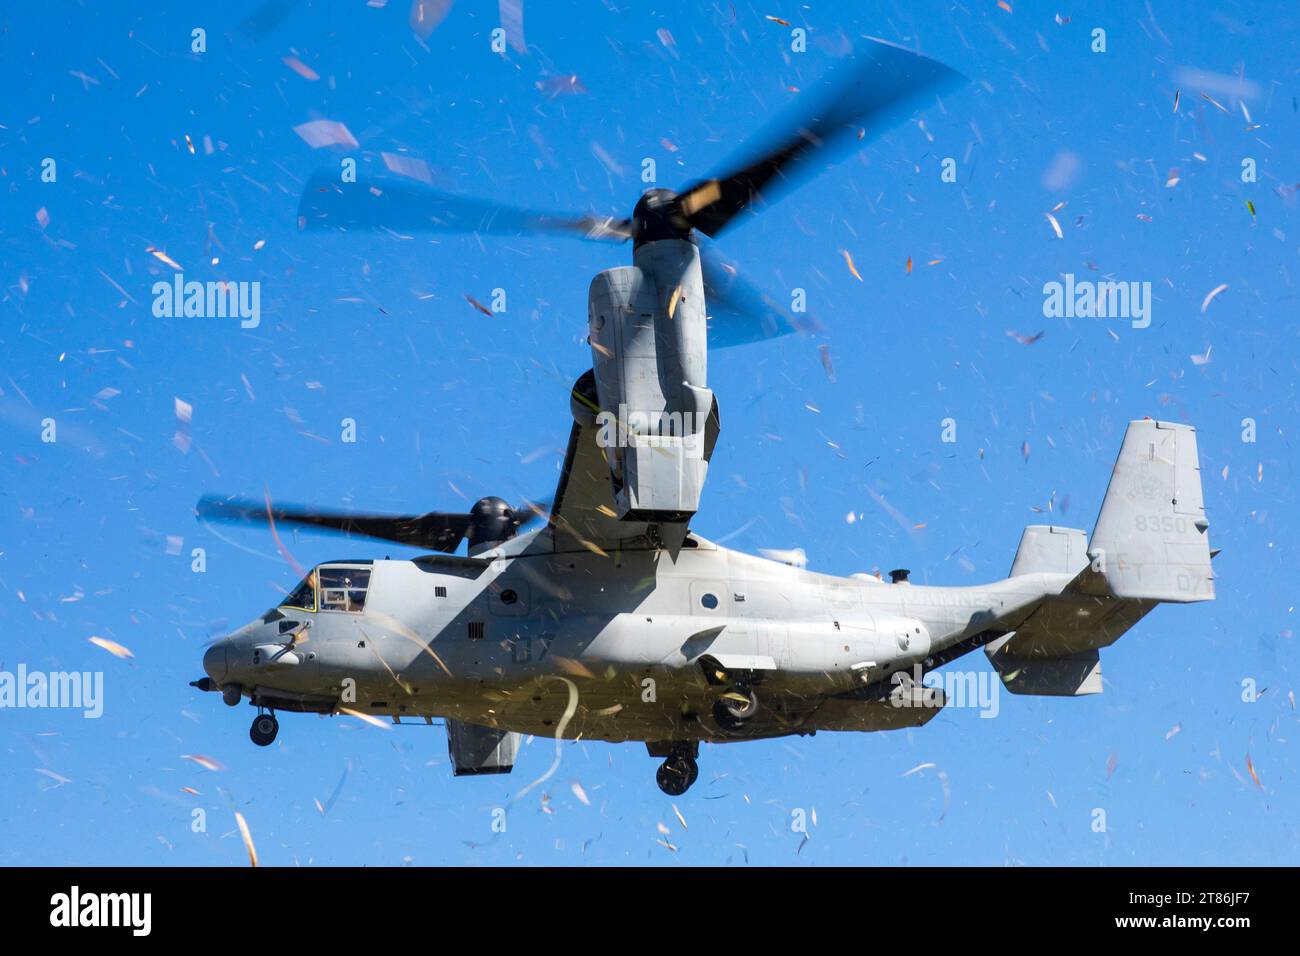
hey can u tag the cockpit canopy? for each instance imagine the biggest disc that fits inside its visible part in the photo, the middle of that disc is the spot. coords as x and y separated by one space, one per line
332 587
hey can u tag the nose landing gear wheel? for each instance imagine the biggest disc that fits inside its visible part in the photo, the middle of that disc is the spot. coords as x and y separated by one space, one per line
737 706
677 773
264 729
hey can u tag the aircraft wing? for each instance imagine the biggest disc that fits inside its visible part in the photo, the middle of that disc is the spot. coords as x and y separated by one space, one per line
583 514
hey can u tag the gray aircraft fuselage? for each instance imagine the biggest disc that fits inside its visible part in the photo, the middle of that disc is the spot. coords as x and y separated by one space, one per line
498 642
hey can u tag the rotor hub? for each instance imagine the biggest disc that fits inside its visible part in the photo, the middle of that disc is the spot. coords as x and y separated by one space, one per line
658 215
491 521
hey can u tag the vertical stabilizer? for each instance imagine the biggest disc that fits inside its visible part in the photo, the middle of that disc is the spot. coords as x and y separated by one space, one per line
1152 538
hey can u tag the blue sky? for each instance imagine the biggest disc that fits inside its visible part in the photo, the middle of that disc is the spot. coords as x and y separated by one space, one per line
451 404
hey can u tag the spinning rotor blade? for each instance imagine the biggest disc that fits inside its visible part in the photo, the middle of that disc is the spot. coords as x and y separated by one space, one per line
876 87
436 530
489 519
738 312
258 24
393 204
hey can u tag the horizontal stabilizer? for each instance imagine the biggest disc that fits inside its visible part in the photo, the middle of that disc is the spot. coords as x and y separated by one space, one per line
1072 675
1081 618
1054 650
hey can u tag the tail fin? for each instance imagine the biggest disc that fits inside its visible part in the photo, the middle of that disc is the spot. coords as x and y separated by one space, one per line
1151 541
1051 549
1150 545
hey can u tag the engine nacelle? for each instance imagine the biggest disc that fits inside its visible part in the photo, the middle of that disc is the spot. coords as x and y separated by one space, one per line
649 357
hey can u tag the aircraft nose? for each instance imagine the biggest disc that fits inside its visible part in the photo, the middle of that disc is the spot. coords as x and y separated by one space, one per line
214 660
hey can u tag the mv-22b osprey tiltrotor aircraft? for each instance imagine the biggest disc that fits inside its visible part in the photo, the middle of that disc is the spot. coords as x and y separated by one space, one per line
614 621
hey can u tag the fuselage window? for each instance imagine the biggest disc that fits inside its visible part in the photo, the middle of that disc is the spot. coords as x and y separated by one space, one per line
710 601
344 589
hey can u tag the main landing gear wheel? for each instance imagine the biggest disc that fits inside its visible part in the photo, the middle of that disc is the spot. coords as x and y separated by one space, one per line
734 708
264 729
677 773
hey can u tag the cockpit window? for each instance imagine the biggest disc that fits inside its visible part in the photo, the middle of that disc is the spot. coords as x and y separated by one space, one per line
343 589
331 588
304 595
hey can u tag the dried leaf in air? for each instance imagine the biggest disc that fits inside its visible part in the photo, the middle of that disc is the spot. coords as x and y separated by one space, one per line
853 270
301 68
1250 765
574 668
321 133
370 719
1214 293
248 839
426 15
824 353
114 648
207 763
479 305
1024 339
